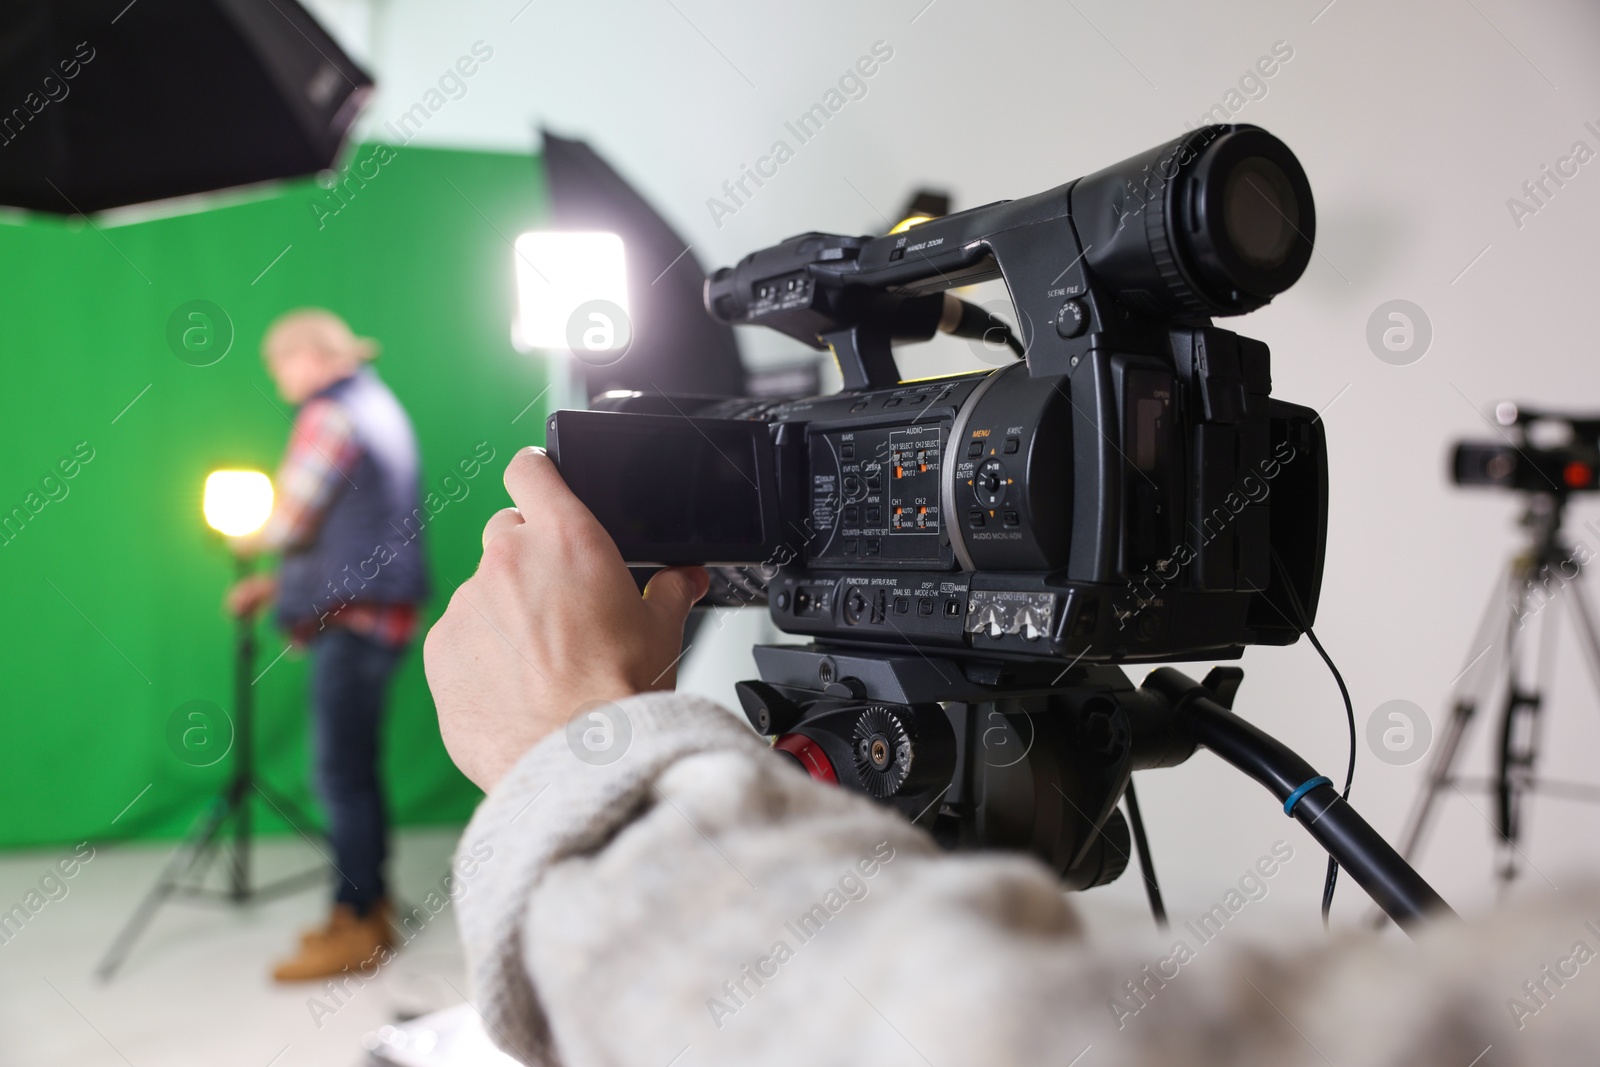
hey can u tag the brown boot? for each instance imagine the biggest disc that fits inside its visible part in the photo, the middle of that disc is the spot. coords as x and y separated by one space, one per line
359 944
342 916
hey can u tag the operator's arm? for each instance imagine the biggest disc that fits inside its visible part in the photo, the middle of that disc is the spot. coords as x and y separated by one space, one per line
652 887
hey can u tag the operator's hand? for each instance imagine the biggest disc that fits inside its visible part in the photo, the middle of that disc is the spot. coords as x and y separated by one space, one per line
251 594
551 621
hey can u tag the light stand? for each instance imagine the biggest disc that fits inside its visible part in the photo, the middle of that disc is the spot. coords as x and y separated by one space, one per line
184 874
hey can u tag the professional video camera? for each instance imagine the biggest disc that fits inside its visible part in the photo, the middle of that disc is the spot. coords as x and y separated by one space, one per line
971 554
1530 461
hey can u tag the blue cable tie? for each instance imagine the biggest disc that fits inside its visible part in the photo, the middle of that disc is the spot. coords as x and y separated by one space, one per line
1294 798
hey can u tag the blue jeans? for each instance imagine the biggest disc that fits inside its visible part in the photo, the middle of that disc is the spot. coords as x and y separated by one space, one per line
349 678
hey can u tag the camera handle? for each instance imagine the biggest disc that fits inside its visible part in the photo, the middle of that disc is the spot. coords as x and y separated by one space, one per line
1308 797
806 693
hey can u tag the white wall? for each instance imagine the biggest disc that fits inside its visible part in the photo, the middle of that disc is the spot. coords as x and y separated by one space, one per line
1415 121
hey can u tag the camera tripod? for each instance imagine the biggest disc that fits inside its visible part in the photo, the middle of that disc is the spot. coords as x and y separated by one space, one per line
1542 573
184 874
1030 757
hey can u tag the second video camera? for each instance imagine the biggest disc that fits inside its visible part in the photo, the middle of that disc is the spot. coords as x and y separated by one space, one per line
1544 452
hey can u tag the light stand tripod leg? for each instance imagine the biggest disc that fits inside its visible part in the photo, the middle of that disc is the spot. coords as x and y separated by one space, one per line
244 656
198 845
289 810
239 850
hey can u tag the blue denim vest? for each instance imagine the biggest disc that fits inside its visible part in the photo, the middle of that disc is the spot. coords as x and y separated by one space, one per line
369 547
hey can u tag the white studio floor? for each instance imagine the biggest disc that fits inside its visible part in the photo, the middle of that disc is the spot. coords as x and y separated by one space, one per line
195 992
195 989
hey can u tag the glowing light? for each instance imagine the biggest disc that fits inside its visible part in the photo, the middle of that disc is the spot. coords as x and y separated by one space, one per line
564 280
237 503
913 220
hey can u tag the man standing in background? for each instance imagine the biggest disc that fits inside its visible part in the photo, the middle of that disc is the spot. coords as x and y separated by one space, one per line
348 587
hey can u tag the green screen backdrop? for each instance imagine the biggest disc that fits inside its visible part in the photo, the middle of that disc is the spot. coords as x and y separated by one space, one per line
112 584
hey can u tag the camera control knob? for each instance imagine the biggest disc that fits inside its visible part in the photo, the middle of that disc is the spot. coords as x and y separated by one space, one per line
1072 319
989 483
857 604
1027 623
990 619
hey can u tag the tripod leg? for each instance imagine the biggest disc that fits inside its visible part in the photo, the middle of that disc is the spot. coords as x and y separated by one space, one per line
1440 768
198 845
239 869
1520 728
1490 641
1587 628
291 812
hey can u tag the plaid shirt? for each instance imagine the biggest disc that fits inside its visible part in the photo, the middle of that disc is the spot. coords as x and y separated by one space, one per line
322 452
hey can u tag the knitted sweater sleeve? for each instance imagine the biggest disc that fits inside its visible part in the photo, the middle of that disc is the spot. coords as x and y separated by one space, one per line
679 896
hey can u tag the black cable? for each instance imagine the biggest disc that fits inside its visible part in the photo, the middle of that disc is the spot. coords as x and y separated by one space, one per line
1331 882
1142 844
976 323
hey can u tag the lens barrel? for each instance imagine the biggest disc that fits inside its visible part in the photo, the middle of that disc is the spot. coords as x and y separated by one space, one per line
1216 222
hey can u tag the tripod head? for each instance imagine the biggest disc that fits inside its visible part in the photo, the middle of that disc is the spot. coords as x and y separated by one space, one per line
1020 756
1027 757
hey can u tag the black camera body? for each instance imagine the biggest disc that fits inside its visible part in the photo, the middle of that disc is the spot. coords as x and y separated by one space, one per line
1119 496
972 555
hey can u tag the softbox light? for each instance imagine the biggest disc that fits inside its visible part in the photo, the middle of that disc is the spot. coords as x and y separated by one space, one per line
676 347
109 103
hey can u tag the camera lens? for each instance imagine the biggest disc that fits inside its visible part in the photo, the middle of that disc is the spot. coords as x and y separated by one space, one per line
1246 220
1260 212
1216 222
